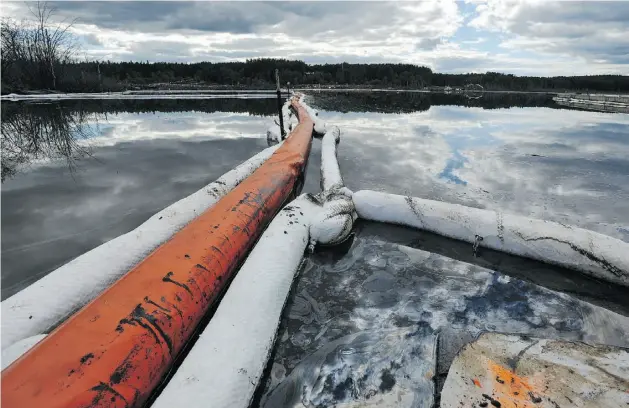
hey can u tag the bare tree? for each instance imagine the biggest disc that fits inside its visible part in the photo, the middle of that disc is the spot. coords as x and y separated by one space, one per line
36 51
13 48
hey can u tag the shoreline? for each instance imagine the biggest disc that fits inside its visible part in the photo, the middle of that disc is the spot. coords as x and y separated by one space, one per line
221 89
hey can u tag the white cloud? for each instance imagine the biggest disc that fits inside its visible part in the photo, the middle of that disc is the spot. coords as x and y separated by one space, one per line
593 32
516 36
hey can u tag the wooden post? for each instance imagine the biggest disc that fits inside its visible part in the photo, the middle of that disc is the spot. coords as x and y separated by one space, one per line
279 102
100 80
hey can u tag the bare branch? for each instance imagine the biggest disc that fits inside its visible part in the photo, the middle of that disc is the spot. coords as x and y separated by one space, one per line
37 51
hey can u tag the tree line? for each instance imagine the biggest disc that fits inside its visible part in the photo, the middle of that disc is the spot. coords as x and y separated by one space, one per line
40 55
92 76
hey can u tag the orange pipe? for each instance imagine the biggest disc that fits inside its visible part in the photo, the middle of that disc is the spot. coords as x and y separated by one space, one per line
116 350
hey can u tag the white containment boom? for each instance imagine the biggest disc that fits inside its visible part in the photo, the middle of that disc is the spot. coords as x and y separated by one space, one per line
50 300
14 351
273 133
333 225
595 254
320 127
330 172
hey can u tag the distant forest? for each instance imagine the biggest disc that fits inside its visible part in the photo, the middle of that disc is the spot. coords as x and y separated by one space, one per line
39 55
259 73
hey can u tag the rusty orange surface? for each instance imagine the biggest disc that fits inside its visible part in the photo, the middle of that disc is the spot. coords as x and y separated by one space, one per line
512 390
116 350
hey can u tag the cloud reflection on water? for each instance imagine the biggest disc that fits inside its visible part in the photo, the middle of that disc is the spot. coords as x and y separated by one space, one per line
130 127
563 165
567 166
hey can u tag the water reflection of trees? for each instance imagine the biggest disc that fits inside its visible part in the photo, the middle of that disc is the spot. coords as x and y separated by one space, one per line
406 102
32 132
36 131
59 130
256 107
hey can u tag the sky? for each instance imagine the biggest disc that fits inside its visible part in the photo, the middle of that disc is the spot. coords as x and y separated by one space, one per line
514 36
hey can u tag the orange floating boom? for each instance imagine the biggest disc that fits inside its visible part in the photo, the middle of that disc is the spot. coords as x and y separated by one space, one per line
116 350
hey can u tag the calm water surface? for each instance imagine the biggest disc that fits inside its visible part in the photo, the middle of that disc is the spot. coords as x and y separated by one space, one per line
132 158
100 168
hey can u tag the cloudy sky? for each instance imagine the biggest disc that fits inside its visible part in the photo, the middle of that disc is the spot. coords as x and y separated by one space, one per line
516 36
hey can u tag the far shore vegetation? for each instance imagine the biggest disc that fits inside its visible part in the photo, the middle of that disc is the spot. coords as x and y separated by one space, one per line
41 56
